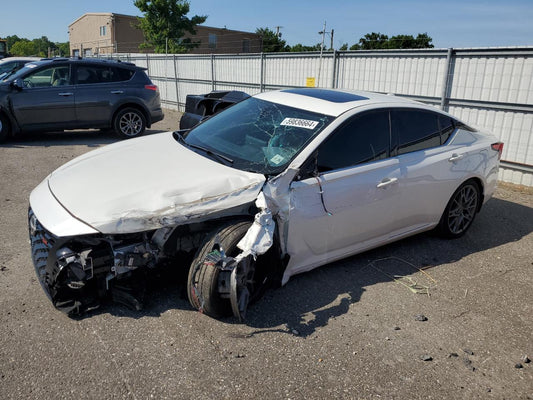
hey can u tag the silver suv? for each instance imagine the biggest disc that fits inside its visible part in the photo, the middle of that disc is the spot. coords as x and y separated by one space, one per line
63 93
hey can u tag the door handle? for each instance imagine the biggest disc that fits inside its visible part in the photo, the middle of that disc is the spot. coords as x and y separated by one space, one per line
117 91
386 182
455 157
66 94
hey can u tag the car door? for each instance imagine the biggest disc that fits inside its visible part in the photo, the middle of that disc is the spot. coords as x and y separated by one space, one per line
97 91
428 173
350 204
46 100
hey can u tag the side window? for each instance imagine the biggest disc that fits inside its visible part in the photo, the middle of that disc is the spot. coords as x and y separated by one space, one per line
362 139
122 74
414 130
51 76
88 74
446 127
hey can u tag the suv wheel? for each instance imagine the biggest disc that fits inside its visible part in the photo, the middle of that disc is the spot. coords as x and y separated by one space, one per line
129 123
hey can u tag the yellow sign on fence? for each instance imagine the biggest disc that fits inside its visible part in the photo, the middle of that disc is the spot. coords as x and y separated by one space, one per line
310 81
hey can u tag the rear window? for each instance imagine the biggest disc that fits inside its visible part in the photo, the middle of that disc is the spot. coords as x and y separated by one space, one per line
88 74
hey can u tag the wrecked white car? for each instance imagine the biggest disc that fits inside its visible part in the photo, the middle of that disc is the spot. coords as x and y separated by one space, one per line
275 185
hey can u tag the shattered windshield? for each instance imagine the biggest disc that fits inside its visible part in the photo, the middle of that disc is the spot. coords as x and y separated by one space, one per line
257 135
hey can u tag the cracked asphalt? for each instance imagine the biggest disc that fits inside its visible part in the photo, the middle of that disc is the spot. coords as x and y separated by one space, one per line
350 330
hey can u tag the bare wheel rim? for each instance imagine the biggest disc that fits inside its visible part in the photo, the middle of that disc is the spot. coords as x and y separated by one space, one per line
130 124
462 209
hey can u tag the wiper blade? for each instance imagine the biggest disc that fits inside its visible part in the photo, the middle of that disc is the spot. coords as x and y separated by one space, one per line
210 152
178 136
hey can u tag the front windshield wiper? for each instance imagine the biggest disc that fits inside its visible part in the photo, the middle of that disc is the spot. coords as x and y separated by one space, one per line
220 157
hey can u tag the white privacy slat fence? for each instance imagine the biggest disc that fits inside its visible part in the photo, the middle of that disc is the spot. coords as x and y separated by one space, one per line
491 88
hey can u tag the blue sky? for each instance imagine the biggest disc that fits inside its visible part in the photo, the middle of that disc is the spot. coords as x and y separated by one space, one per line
451 23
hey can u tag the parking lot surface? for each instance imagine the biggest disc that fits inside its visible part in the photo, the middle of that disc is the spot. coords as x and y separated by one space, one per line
421 318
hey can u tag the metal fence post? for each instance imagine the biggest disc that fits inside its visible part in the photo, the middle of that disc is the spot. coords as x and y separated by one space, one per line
213 71
147 64
333 78
176 81
262 73
446 80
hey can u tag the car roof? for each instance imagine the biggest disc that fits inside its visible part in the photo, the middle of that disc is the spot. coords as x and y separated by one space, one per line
96 61
334 102
13 59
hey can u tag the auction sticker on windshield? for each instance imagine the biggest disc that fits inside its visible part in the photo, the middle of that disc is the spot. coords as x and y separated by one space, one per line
299 123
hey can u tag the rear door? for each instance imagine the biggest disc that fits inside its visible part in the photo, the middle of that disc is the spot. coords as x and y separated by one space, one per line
98 89
429 172
47 99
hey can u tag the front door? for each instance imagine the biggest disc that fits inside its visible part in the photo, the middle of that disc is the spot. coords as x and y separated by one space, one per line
46 100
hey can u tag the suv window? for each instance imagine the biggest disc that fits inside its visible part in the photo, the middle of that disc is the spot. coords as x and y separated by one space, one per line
415 130
87 74
362 139
56 75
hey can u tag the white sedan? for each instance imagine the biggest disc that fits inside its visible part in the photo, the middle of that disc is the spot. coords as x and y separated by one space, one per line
275 185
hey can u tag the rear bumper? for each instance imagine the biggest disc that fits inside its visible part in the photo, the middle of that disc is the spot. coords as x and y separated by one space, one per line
156 116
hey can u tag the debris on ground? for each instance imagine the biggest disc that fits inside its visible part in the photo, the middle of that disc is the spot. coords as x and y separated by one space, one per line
518 366
469 352
421 317
426 357
408 281
526 359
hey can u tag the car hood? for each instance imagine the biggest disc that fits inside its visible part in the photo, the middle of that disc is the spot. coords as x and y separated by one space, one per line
148 183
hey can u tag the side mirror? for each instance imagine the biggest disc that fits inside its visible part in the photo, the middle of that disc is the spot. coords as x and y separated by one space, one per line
17 84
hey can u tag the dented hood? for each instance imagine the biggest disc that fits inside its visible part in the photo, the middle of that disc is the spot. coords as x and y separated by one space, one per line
148 183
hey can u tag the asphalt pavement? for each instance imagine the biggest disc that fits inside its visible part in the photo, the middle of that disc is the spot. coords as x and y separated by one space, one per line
421 318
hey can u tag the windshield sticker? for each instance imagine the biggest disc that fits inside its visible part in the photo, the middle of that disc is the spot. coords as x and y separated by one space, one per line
300 123
277 159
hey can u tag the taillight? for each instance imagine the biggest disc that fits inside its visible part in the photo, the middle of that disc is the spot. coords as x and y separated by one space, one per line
497 147
151 87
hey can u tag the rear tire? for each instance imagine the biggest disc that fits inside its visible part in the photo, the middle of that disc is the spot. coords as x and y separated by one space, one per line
202 283
129 123
460 211
4 129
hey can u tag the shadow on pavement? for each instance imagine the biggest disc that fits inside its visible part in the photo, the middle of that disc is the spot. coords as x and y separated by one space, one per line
89 138
310 300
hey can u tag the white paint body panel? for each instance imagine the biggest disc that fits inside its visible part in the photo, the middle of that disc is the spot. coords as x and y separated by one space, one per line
146 183
151 182
364 216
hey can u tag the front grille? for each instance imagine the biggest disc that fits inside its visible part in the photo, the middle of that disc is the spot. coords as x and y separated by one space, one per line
41 242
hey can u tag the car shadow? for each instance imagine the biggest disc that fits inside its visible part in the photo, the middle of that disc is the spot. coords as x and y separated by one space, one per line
311 300
89 138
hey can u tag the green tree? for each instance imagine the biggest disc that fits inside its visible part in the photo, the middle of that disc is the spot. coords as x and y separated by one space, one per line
300 47
11 40
165 23
373 41
271 42
41 46
23 47
344 47
63 48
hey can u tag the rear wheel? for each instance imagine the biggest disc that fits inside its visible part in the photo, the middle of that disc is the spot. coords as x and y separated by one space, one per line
4 129
460 211
205 281
129 123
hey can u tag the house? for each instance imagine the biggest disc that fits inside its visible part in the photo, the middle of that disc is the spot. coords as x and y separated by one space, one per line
106 33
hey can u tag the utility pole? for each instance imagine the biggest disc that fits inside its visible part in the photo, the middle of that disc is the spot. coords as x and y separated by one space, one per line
331 43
